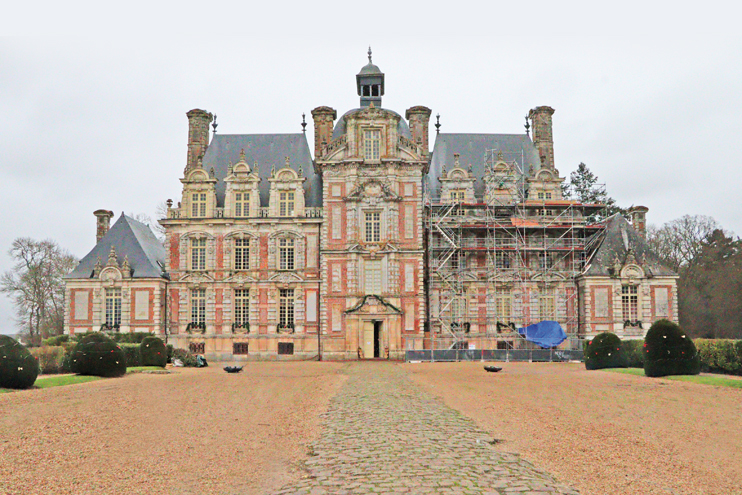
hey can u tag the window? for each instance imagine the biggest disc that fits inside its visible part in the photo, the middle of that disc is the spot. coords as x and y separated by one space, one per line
286 348
458 195
458 307
239 348
286 308
545 261
242 253
197 347
198 205
371 144
373 277
198 254
373 226
286 254
544 195
547 195
546 305
455 261
286 203
242 204
540 195
113 307
198 306
502 260
503 304
630 302
241 307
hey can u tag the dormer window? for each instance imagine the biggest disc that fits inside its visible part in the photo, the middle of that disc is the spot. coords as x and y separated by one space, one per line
242 204
286 203
198 205
372 144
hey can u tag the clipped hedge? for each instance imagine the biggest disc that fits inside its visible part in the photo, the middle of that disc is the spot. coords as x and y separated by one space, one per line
55 341
604 351
96 354
18 368
133 357
153 352
669 351
634 352
720 355
188 359
51 359
130 337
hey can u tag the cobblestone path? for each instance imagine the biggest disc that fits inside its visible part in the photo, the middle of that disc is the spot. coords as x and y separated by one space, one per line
382 434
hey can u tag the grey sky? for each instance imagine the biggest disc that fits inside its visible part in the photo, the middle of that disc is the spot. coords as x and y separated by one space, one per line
97 122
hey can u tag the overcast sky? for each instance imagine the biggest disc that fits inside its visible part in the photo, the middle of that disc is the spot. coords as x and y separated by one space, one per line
99 121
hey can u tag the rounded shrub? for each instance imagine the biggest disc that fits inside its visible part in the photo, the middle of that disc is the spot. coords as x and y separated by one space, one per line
669 351
18 368
604 351
98 355
153 352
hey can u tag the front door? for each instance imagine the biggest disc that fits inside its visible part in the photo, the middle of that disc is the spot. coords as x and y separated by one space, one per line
367 344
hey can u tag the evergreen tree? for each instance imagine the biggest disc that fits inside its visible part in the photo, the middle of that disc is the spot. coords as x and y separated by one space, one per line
583 186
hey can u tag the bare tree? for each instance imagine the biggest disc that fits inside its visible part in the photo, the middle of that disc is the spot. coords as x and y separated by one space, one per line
35 284
157 229
679 241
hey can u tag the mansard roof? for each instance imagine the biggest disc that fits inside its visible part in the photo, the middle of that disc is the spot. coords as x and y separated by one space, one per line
131 239
472 149
267 150
619 239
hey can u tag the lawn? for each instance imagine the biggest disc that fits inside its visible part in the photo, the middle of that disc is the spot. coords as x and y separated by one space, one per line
58 381
719 381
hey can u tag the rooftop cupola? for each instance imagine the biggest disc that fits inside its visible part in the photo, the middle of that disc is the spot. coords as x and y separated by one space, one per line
370 83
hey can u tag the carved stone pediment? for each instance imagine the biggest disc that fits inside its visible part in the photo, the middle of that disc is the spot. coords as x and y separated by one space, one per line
372 304
197 278
240 278
286 278
373 190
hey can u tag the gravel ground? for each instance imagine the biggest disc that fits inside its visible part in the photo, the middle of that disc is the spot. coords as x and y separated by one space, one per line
604 433
190 432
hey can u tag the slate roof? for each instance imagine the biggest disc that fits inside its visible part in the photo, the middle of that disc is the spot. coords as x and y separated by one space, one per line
266 150
340 126
472 148
619 237
130 238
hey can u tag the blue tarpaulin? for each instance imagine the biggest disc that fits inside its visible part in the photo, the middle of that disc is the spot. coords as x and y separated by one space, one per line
545 334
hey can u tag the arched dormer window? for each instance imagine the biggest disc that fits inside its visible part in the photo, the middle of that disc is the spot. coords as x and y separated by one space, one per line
287 193
242 197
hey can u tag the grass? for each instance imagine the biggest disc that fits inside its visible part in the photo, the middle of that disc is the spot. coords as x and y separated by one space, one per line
59 381
138 369
719 381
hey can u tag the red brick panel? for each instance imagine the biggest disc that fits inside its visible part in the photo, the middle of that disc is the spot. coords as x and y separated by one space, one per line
218 310
264 252
220 252
174 306
174 251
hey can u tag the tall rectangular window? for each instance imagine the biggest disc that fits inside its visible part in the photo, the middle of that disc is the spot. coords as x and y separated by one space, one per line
286 203
373 277
371 144
286 307
503 304
198 254
113 307
198 306
198 205
242 253
286 254
373 226
630 302
242 204
241 306
458 195
545 260
546 305
502 260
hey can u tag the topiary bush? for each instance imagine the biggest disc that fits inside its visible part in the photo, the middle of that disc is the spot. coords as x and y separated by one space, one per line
604 351
153 351
130 337
669 351
634 351
133 356
98 355
18 368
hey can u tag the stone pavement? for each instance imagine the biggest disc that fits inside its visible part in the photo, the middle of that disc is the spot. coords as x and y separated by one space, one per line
382 434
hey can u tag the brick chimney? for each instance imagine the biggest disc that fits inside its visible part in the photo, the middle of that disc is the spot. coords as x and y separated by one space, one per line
102 223
198 135
542 136
419 117
324 117
639 219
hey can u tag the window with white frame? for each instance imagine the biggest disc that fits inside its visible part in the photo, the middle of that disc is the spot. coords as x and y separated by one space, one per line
503 304
241 306
373 277
286 307
198 254
545 260
113 307
630 302
502 260
242 204
198 205
198 306
242 253
546 304
372 220
458 195
286 253
372 144
286 203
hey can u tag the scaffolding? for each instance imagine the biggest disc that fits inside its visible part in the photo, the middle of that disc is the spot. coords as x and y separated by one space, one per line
507 262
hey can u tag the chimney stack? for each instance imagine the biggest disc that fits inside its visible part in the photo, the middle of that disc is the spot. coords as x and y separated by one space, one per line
542 135
102 223
198 136
323 123
639 219
419 117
